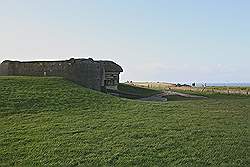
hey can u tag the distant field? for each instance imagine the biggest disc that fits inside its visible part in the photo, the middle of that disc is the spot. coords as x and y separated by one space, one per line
226 88
53 122
222 90
216 89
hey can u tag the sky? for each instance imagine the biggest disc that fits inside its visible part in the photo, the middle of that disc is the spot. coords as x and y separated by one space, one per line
153 40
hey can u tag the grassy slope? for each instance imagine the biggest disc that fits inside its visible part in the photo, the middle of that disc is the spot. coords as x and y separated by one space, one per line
55 122
143 92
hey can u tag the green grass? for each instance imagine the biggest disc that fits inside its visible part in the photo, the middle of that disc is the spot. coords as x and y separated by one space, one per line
53 122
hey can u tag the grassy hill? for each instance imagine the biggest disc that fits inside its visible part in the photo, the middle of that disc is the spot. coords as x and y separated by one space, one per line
53 122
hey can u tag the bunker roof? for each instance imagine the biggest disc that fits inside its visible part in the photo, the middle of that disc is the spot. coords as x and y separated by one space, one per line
111 66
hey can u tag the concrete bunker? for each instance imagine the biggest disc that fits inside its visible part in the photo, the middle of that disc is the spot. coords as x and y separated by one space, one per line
97 75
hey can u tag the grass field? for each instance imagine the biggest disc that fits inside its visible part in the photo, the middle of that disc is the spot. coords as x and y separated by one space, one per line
53 122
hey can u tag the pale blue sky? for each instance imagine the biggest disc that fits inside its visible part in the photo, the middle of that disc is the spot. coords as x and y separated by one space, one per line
153 40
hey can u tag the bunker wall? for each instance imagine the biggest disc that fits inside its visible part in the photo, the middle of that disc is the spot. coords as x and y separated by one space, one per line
38 68
4 69
86 73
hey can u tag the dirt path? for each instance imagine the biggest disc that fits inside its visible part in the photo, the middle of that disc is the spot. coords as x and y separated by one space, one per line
157 97
161 97
169 93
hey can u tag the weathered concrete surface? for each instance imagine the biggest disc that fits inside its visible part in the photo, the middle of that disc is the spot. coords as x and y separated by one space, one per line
87 73
4 69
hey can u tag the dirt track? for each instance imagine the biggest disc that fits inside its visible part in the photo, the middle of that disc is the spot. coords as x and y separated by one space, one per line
163 96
